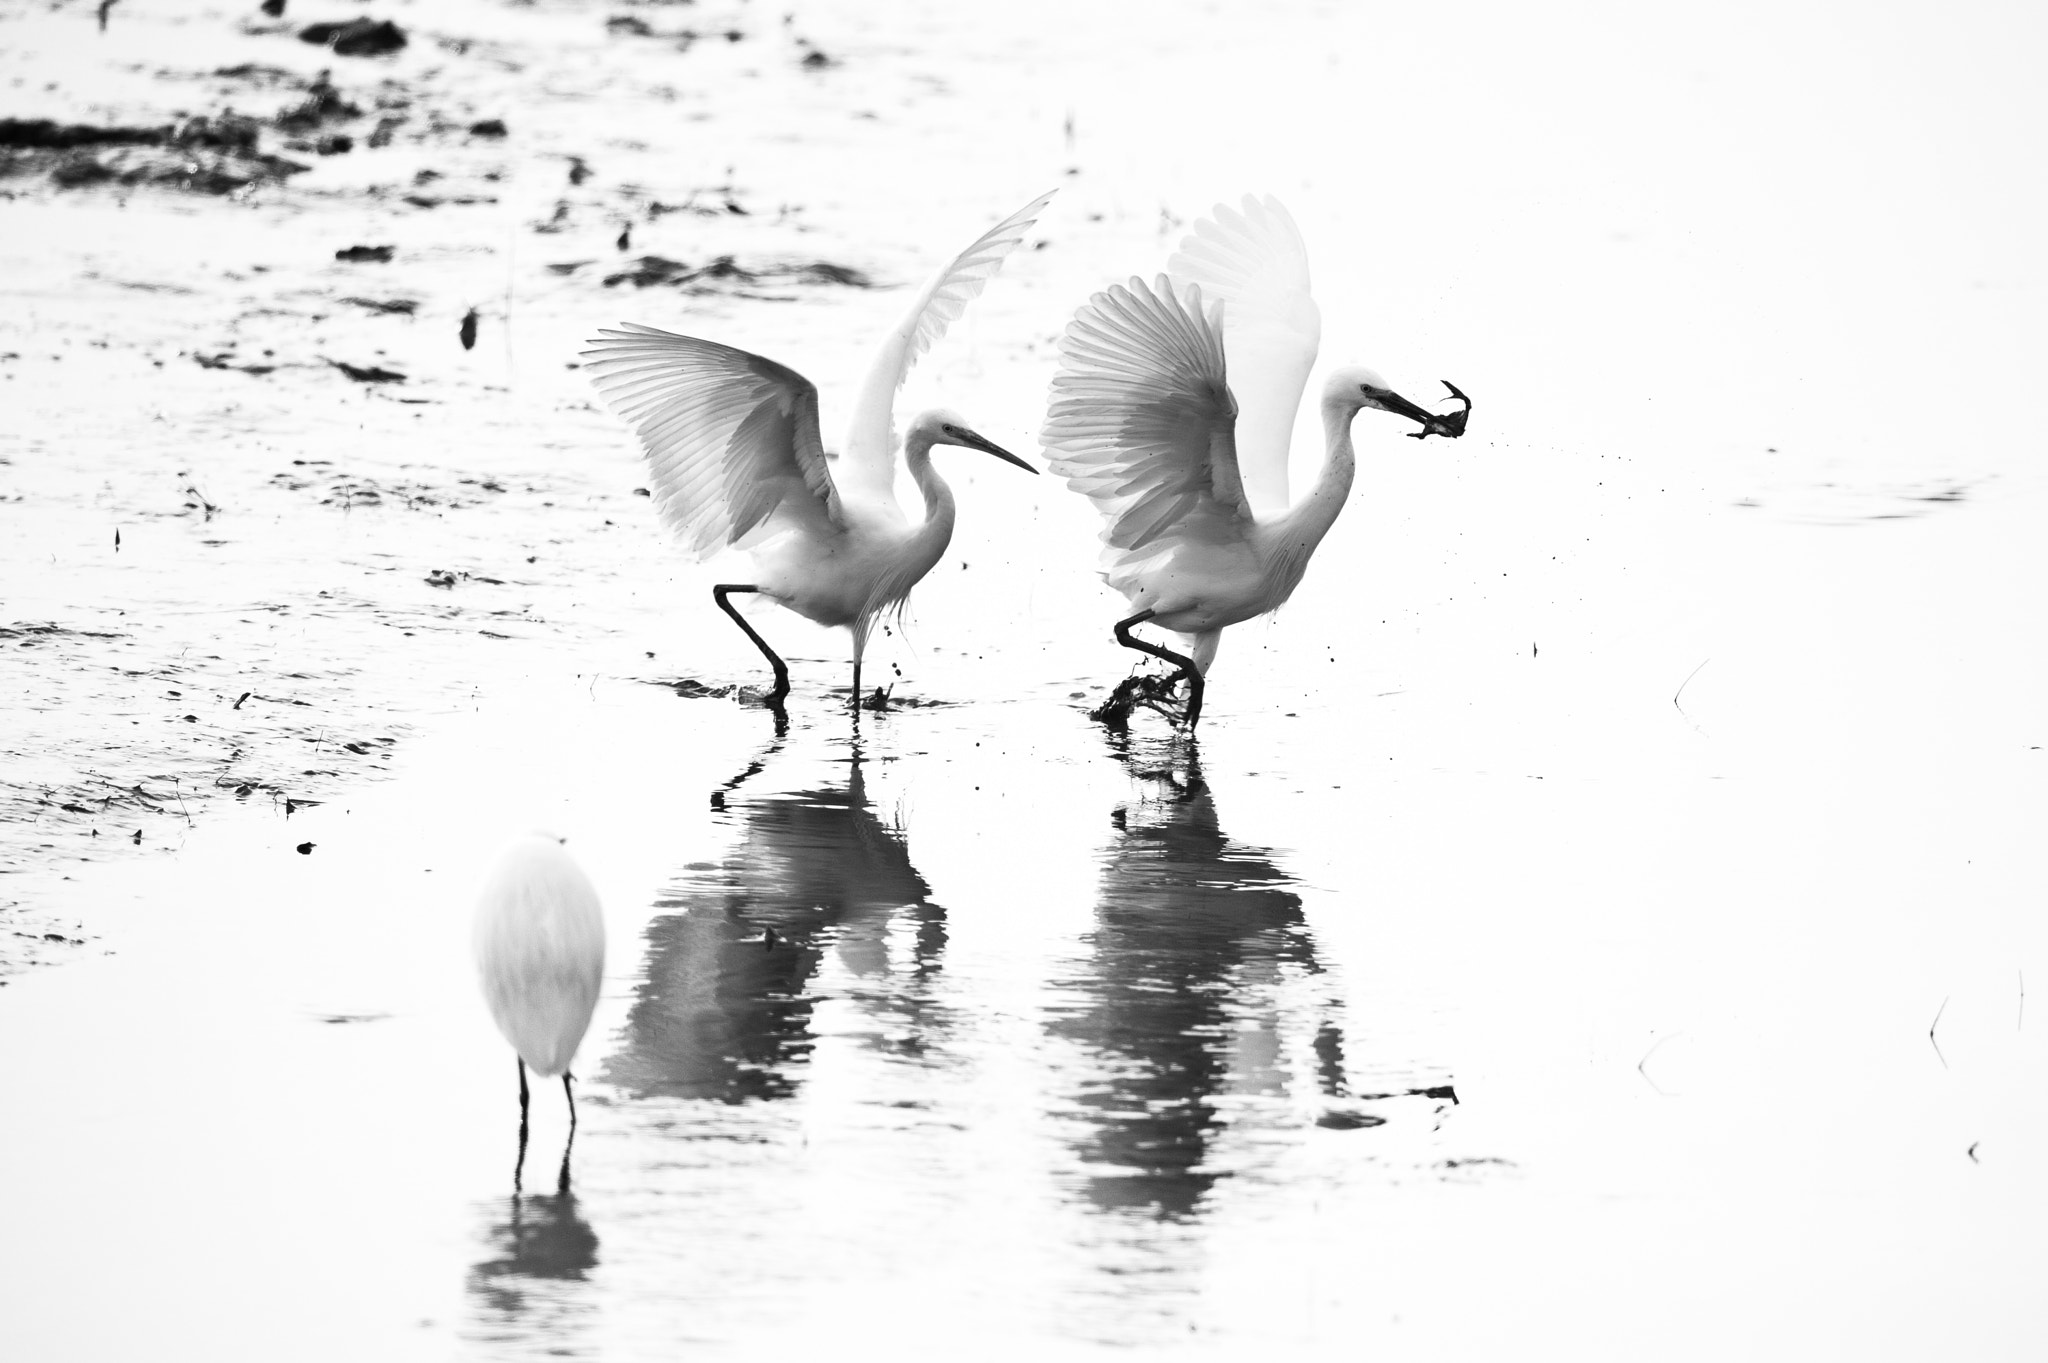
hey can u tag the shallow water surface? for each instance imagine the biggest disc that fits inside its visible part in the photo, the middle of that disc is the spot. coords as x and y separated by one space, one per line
1597 914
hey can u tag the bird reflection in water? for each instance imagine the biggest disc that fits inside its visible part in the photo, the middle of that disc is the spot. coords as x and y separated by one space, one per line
725 1008
531 1283
1185 998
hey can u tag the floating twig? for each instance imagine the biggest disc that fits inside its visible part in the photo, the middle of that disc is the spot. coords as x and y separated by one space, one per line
1654 1046
1681 691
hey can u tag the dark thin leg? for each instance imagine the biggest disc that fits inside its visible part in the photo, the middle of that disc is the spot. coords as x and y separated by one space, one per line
1166 655
562 1180
856 686
719 594
519 1167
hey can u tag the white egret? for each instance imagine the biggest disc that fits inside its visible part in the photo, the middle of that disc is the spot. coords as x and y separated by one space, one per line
1199 532
539 942
736 460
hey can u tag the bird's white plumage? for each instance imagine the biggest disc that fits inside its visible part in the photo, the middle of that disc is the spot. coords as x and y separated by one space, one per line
1145 420
1141 418
867 466
735 459
732 442
539 944
1254 262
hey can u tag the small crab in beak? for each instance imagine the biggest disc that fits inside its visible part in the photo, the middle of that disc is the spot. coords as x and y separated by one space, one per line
1449 424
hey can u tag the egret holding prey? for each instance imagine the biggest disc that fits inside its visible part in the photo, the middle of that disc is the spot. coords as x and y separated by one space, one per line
733 447
539 940
1189 467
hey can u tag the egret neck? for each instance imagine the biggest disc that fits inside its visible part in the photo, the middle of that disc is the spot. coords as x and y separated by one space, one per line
1292 536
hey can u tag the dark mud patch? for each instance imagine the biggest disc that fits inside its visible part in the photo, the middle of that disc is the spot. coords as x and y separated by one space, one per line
30 635
336 488
724 274
227 359
356 37
404 307
216 154
1475 1168
32 937
366 373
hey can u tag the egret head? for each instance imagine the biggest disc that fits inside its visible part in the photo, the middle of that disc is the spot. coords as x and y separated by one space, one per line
1357 387
939 426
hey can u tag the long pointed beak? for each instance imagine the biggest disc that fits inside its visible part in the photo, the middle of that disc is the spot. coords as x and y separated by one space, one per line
973 441
1387 400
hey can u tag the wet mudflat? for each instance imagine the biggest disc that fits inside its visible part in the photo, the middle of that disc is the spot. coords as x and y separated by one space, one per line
1598 912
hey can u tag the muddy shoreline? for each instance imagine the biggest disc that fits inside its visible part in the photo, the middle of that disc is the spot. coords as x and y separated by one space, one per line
272 499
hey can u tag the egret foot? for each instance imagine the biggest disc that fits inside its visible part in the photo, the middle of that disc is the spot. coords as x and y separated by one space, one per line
1151 690
1188 671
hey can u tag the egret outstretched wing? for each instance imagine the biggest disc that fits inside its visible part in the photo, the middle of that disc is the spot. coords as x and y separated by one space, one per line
1254 262
1141 417
868 467
731 438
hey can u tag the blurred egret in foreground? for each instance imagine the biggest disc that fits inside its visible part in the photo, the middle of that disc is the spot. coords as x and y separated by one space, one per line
1199 531
733 447
539 941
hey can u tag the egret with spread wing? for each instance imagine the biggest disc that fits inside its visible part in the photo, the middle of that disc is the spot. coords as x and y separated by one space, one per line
736 460
1188 468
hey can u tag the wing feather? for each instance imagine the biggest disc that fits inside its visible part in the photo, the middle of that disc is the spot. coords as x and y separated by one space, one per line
731 438
869 462
1142 419
1254 261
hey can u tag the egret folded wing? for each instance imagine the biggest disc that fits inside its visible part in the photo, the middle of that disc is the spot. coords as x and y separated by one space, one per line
1142 418
731 438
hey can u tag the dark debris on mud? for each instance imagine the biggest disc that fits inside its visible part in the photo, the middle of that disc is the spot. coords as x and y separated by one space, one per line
347 490
724 273
356 37
205 155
